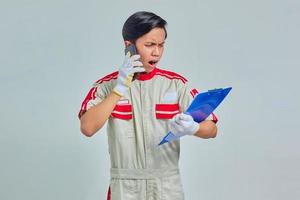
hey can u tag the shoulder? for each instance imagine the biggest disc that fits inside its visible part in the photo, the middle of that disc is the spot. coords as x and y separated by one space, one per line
171 75
107 78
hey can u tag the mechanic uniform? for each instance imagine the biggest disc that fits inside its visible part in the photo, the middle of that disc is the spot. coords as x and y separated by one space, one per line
140 169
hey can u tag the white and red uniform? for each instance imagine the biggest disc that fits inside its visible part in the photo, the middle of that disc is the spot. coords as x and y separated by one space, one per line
140 169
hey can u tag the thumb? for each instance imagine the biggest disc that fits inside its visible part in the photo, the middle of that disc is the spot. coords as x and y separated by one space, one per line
186 117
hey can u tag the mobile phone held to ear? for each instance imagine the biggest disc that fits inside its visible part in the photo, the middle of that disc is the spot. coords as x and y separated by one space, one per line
131 50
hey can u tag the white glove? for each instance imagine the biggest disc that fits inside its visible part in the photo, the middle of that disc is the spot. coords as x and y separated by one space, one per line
183 124
130 66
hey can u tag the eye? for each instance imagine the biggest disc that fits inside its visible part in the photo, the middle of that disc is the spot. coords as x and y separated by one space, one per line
148 45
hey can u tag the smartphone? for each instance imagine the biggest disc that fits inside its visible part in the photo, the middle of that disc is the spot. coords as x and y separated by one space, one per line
131 50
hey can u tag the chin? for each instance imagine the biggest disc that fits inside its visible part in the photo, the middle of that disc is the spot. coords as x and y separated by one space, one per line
149 69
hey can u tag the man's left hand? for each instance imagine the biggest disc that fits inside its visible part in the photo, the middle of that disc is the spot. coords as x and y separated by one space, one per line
183 124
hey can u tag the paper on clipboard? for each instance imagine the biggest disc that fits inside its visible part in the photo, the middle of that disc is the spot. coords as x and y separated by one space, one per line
201 107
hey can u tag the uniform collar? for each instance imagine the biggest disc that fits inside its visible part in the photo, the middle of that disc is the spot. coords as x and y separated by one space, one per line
147 76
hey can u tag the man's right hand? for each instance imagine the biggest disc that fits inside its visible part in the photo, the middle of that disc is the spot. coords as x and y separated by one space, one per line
130 66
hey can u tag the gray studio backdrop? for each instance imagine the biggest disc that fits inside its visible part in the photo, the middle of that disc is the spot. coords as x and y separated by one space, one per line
52 51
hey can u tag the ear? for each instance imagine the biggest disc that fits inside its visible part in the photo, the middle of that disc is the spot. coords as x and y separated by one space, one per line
127 43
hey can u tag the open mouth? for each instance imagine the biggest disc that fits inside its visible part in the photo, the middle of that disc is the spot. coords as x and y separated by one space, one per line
153 62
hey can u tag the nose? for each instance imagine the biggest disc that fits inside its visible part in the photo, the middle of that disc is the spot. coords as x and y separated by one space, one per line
155 51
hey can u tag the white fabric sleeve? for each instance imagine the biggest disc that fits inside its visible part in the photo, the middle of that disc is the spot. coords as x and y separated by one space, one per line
95 95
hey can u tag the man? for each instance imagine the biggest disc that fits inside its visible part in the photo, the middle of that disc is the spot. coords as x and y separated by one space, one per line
140 113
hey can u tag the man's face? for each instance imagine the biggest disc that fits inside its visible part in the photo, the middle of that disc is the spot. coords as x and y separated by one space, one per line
150 47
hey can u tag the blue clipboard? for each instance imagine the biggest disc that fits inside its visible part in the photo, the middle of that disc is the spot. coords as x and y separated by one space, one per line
201 107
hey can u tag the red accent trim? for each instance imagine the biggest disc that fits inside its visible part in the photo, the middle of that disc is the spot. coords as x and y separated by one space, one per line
167 107
161 72
92 92
91 95
165 116
146 76
108 193
194 92
122 116
123 108
81 112
108 77
170 75
215 119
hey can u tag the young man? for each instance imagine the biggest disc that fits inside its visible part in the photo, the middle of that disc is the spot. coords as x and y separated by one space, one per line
140 113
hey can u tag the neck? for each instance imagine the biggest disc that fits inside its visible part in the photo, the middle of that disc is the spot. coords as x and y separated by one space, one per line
148 70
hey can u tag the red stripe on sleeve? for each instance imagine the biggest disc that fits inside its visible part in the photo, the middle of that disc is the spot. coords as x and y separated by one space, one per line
108 193
108 77
215 119
91 95
170 75
194 92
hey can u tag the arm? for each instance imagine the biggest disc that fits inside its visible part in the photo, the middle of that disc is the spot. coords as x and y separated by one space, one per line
94 119
186 126
183 124
207 129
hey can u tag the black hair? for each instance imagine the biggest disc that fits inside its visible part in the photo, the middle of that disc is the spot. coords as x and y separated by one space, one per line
140 23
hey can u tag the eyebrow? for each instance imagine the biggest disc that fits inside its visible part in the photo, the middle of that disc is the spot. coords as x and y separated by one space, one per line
154 42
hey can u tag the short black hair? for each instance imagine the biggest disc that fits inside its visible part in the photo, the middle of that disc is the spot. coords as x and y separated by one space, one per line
140 23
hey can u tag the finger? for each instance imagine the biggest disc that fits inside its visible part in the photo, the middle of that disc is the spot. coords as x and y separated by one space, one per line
135 57
179 123
186 117
176 128
183 123
138 69
179 128
177 119
173 123
137 64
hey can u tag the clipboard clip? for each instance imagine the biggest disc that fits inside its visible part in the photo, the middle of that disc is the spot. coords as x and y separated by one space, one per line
215 90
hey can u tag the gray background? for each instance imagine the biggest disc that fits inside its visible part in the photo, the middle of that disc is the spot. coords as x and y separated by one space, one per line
52 52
